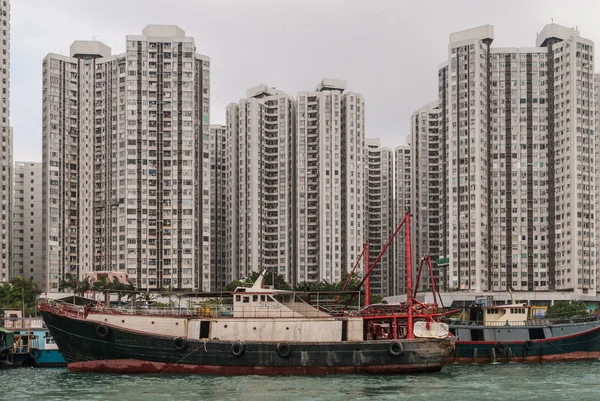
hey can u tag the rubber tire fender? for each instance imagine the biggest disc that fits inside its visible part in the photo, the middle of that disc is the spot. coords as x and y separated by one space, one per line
284 350
499 348
35 353
237 348
102 331
396 348
180 343
528 345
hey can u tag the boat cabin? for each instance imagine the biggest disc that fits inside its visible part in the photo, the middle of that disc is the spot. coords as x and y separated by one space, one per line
262 301
25 341
516 313
498 315
7 340
272 303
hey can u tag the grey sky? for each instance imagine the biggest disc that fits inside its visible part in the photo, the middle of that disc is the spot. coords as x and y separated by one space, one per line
387 50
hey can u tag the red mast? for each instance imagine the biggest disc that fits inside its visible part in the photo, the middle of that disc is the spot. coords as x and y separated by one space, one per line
368 280
409 293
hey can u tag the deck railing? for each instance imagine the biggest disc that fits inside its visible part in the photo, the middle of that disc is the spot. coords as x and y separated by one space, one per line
227 310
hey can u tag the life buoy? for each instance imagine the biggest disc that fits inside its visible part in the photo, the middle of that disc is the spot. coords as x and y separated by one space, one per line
284 350
35 353
528 345
102 331
237 348
396 348
499 348
180 343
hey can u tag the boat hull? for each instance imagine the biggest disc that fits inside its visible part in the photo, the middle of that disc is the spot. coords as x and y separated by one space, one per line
119 350
50 358
583 345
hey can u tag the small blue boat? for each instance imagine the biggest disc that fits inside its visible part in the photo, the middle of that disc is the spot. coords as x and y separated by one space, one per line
35 347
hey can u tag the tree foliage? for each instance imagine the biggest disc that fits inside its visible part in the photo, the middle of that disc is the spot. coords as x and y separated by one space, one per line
146 298
567 309
280 282
72 283
81 286
18 291
234 284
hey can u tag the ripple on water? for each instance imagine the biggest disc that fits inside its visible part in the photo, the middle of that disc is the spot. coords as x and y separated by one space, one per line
577 381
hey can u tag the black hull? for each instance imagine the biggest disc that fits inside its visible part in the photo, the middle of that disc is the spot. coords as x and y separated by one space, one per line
578 346
118 350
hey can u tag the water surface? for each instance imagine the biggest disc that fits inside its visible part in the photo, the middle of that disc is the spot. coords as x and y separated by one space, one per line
558 381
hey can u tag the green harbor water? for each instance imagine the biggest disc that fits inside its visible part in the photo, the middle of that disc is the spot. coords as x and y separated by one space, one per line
558 381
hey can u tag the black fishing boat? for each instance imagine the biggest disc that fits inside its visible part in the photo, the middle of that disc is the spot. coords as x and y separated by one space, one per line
261 331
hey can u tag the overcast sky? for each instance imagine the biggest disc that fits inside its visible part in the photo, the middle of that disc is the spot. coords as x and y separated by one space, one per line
387 50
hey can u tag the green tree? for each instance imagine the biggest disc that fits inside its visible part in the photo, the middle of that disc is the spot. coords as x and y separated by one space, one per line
567 309
101 284
72 283
233 285
280 282
121 289
146 298
17 291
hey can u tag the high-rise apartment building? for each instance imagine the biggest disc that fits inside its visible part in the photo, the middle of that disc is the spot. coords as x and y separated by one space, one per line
6 147
220 276
202 179
330 199
27 224
125 164
296 170
260 162
379 214
426 179
402 203
518 125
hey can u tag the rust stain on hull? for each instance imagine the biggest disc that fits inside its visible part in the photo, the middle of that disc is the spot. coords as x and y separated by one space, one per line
135 366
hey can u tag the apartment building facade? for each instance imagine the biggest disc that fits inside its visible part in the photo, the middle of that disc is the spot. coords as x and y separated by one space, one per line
27 224
520 135
220 275
426 178
6 146
260 160
402 203
296 169
121 140
379 214
330 206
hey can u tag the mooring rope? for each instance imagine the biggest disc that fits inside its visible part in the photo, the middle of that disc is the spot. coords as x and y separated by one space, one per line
205 341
